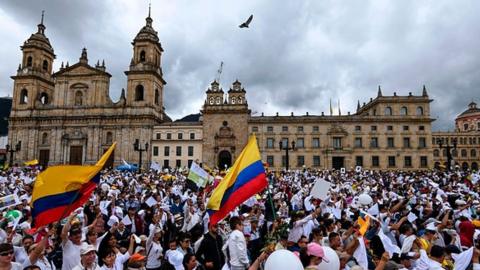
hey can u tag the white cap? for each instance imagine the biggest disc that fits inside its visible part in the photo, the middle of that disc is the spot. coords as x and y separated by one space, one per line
175 258
431 226
460 202
112 220
86 249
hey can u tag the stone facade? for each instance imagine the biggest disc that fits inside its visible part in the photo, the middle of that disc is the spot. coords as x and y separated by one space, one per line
464 141
67 117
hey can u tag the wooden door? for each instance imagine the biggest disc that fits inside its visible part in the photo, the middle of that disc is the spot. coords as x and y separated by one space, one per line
76 155
43 158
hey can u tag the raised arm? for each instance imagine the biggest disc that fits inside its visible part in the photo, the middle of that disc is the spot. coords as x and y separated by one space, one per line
66 228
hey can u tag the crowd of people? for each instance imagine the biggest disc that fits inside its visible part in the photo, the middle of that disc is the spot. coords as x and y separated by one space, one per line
158 220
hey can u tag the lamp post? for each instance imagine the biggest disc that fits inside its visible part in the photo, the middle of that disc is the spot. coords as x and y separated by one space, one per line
140 150
18 147
286 148
448 148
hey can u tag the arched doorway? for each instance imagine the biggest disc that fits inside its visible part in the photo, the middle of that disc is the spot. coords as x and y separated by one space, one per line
465 166
224 160
437 165
474 166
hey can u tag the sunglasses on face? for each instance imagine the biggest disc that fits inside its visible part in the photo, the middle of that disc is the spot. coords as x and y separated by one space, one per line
6 253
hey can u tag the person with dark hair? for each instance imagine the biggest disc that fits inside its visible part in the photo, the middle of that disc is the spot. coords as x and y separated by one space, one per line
189 262
21 253
335 241
210 251
6 257
71 237
184 241
312 255
113 259
237 246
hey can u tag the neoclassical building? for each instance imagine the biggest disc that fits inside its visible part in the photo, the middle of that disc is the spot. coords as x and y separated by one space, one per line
388 132
464 142
68 117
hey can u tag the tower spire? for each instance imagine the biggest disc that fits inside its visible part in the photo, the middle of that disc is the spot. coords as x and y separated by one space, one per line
358 105
424 92
149 19
149 8
43 13
379 94
41 27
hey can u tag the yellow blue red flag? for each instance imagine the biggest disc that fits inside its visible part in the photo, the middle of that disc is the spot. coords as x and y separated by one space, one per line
61 189
244 179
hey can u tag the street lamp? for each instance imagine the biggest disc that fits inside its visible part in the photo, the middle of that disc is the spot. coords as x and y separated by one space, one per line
139 149
448 148
18 147
286 148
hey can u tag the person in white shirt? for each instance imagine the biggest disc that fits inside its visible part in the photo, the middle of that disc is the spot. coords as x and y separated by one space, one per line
36 254
87 258
154 248
113 259
71 244
237 246
6 257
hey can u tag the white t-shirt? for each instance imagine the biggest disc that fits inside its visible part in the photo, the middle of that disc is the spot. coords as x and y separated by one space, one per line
44 264
71 255
119 261
20 254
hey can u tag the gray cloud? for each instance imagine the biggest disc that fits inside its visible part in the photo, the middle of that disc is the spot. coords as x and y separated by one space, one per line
294 58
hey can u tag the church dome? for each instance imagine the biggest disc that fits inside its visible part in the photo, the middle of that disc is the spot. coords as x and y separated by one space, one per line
147 33
39 40
472 110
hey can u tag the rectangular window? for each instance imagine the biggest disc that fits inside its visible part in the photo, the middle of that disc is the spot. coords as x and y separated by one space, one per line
422 142
337 142
178 163
155 151
405 128
284 142
300 161
254 129
166 163
300 128
359 161
421 128
190 151
373 128
284 161
166 151
270 161
284 128
423 162
316 143
408 161
270 143
406 142
190 161
169 136
374 142
391 142
179 151
300 143
391 161
269 129
375 161
192 136
180 136
315 129
389 128
358 128
465 126
316 161
358 142
158 136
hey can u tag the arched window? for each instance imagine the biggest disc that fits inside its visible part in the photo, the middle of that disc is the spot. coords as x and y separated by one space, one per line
404 111
24 96
139 93
45 65
419 110
219 100
78 98
436 153
388 111
29 61
473 153
234 100
142 56
444 152
157 97
240 100
455 153
463 152
44 138
44 98
109 138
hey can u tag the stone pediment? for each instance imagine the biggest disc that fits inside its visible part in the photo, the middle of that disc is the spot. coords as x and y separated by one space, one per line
81 69
337 129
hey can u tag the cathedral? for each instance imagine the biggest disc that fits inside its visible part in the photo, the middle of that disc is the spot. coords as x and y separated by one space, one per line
67 116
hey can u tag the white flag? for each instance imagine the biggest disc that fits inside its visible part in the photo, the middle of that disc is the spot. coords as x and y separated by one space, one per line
320 189
387 243
374 210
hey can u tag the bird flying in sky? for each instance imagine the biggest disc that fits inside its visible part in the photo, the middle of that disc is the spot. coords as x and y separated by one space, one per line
247 22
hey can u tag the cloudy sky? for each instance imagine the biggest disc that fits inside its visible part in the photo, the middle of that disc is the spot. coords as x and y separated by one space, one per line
295 57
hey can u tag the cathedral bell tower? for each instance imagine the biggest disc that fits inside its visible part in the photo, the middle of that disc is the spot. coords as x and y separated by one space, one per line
33 83
145 77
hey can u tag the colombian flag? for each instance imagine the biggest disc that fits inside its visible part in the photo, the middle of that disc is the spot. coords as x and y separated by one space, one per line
244 179
61 189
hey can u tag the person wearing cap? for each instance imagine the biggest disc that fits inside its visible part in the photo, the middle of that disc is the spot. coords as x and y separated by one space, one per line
312 255
210 251
136 262
87 258
71 238
6 257
175 259
237 246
